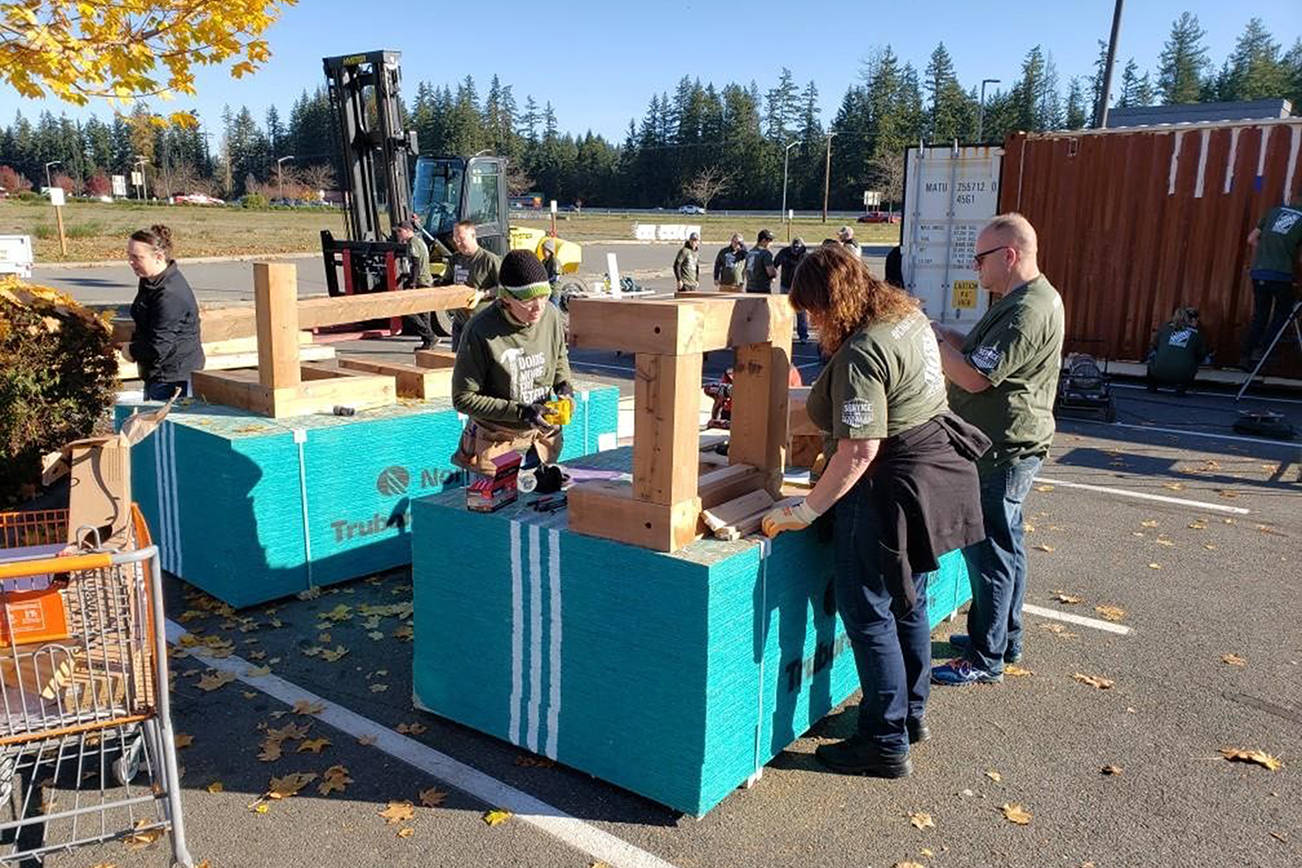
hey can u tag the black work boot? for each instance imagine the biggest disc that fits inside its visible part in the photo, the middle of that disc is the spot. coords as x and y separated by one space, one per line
918 730
857 756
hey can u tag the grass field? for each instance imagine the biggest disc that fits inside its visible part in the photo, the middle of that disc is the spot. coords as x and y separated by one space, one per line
98 231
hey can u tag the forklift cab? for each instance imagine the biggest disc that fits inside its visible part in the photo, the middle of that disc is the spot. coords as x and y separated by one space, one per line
449 189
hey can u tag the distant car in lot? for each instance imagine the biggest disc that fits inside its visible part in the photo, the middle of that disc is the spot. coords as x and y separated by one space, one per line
880 217
197 199
691 209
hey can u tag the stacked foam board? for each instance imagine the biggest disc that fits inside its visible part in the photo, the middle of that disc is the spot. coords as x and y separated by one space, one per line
674 675
252 509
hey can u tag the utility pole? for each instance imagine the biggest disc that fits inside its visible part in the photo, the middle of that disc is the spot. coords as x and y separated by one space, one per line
1102 108
981 110
827 175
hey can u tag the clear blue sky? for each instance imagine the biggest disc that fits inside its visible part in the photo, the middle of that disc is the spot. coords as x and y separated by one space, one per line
600 62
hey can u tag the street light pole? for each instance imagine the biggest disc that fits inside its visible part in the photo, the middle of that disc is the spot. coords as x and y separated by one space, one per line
144 185
786 154
48 182
981 110
827 174
280 175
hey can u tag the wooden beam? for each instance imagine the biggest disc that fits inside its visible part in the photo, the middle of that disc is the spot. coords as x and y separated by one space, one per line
727 483
734 320
436 359
608 509
760 407
412 381
275 302
231 360
239 389
666 430
635 326
358 391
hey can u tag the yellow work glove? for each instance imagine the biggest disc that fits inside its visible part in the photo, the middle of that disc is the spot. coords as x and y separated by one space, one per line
780 518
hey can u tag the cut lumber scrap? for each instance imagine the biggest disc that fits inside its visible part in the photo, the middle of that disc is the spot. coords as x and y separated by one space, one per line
436 359
751 523
727 514
412 381
723 484
320 391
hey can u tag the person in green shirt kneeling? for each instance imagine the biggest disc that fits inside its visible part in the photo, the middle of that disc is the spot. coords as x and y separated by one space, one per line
511 360
1178 349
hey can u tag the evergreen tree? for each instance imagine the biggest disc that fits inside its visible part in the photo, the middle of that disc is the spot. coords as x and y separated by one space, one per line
782 109
1077 115
1096 81
1183 61
1255 67
1135 88
951 113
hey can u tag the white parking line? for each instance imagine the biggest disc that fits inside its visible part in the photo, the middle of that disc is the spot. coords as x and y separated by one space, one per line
1143 495
1107 626
487 789
1259 440
1205 394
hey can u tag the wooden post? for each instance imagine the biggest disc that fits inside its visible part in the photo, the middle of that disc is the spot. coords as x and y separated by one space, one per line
760 402
666 442
63 241
275 301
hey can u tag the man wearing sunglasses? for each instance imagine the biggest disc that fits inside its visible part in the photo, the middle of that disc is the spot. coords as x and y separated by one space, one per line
1002 378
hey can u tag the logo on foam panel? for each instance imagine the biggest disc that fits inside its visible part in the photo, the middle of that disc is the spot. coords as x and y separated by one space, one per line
393 481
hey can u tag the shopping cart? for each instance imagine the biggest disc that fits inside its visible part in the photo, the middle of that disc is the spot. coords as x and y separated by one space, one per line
83 673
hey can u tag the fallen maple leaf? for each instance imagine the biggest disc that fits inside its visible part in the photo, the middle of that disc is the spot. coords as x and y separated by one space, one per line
920 820
1260 757
1044 548
182 739
1067 598
289 785
366 740
375 635
1174 486
306 706
289 732
433 797
1233 660
333 656
1148 523
1094 681
1015 671
398 812
216 787
313 745
213 680
379 688
142 837
248 694
496 817
406 832
1015 814
1111 613
257 655
260 808
994 776
271 751
325 638
257 671
411 728
404 633
334 779
1111 770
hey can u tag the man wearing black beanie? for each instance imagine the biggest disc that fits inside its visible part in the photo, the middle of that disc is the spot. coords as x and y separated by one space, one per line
512 358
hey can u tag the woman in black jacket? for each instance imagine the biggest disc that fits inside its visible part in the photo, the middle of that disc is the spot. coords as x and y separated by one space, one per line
165 345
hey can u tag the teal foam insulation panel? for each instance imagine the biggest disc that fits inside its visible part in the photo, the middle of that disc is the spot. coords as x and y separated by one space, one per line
676 676
252 509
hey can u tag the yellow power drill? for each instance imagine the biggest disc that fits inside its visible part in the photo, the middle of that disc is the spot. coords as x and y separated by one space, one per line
559 411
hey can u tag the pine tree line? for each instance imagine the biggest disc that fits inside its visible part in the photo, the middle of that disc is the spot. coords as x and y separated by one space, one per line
728 145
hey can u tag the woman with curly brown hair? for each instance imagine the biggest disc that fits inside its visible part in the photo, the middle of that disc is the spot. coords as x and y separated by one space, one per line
904 486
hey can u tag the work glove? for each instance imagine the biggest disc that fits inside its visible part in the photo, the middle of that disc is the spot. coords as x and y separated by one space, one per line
534 415
563 389
796 517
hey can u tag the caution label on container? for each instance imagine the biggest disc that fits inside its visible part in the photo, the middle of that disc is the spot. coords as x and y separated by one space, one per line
965 294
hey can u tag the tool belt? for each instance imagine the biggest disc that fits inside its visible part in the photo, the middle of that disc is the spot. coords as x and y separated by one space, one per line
481 442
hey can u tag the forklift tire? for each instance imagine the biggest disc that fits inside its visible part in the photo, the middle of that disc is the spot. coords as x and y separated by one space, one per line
441 322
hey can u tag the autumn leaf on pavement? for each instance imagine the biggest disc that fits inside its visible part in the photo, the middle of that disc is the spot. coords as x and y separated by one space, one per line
213 680
1067 598
366 740
271 751
313 745
182 739
920 820
333 779
375 636
1111 770
406 832
1044 548
1174 486
1094 681
1233 660
289 785
531 760
1155 566
403 633
306 706
994 776
1044 488
142 837
433 797
908 865
1111 613
411 728
216 787
333 656
496 817
289 732
379 688
1260 757
1015 671
1015 814
398 812
1148 523
257 671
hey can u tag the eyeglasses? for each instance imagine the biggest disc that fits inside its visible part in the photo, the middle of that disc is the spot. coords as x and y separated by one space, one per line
976 258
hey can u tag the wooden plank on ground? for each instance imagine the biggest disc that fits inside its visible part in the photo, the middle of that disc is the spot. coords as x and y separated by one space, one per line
666 430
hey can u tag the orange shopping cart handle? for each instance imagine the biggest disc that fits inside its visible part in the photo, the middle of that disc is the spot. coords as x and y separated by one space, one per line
19 569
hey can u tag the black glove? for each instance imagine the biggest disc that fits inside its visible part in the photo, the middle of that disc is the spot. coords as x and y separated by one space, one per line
564 389
532 415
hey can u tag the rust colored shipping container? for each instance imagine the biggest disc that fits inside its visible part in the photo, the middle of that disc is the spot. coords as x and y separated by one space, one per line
1133 222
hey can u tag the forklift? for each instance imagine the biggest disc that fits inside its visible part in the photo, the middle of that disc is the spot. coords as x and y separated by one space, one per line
375 154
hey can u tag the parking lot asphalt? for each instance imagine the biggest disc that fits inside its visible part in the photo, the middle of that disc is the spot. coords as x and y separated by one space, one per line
1186 536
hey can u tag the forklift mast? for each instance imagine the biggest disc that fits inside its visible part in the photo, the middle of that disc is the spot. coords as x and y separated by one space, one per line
364 94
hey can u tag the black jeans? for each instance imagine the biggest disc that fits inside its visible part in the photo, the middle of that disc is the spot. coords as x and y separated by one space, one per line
891 642
1272 301
159 391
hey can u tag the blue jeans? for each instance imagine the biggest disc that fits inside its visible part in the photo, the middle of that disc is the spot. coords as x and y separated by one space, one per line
996 566
891 644
802 320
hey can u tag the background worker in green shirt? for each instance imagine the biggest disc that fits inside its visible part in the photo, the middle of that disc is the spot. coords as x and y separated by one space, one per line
1274 247
902 479
1002 378
1178 349
419 276
730 266
687 265
760 269
511 360
471 266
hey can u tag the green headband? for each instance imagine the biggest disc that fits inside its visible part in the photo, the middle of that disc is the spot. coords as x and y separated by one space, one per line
524 293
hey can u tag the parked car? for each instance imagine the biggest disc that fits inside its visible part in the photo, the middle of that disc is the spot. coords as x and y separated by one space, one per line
691 209
197 199
880 217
